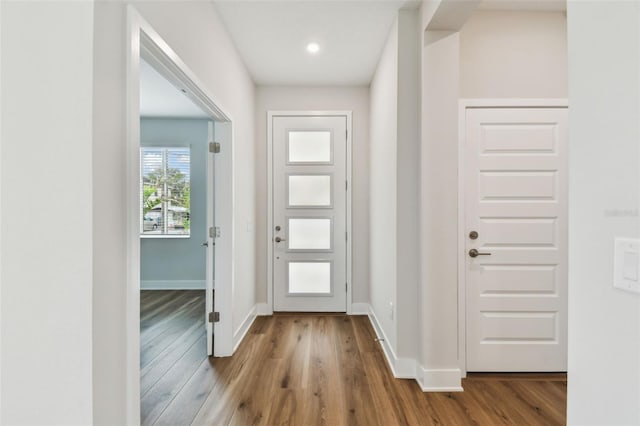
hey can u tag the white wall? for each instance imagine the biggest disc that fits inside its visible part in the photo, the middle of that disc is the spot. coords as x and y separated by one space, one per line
408 182
394 199
439 210
383 181
302 98
604 323
514 54
46 212
195 32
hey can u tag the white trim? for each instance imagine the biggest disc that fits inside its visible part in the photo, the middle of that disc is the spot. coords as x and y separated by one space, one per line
173 284
1 217
349 213
436 380
349 171
402 368
269 212
163 236
440 380
241 331
263 309
359 309
462 270
465 104
141 38
132 369
514 103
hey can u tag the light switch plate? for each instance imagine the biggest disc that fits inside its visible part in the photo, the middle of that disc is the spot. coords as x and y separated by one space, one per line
626 264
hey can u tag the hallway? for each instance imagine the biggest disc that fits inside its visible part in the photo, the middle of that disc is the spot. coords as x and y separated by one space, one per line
311 369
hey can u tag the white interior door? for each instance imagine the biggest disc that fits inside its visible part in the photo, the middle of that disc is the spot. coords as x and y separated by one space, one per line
309 213
210 244
516 239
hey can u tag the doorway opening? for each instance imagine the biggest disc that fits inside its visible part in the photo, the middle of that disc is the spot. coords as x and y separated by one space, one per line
179 205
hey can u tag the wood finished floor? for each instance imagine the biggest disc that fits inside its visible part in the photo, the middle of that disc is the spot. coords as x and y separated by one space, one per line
311 370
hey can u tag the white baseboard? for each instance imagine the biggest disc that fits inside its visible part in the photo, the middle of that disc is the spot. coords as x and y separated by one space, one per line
359 309
263 309
402 368
430 380
241 331
440 380
173 284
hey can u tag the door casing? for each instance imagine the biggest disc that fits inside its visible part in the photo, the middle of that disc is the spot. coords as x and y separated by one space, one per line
465 104
142 39
270 233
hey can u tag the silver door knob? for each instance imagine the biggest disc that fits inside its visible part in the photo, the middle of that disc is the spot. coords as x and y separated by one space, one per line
278 239
476 253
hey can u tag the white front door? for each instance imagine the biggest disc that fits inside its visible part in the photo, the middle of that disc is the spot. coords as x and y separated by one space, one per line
309 213
516 239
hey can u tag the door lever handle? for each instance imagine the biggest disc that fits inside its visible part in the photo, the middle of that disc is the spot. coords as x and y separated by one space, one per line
278 239
476 253
205 244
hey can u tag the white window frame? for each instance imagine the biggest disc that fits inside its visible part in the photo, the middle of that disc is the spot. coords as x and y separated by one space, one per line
162 235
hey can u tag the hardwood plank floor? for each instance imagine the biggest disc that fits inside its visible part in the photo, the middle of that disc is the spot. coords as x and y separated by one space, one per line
311 369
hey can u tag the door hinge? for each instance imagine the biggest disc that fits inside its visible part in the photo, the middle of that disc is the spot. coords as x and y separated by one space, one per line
346 287
346 185
214 316
214 232
214 147
346 236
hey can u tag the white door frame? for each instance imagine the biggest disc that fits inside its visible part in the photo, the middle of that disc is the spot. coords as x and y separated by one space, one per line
142 39
270 235
465 104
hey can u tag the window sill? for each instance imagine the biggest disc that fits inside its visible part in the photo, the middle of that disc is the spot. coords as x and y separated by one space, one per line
164 236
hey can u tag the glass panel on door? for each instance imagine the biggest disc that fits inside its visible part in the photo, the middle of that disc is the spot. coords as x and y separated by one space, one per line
309 234
309 147
309 191
309 277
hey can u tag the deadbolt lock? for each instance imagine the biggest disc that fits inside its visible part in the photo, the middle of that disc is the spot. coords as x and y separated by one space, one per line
278 228
473 235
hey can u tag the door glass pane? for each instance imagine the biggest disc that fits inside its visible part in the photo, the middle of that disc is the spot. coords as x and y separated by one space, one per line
310 147
309 191
310 277
309 234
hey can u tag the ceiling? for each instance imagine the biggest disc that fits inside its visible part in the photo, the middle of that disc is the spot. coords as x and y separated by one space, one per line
159 98
272 36
528 5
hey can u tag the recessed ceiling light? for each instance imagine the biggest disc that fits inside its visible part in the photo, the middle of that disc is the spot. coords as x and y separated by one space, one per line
313 47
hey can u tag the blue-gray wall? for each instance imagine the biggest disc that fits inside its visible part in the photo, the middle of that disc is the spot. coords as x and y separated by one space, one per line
178 259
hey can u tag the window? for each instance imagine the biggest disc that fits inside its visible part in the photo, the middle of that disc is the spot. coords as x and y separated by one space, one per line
165 190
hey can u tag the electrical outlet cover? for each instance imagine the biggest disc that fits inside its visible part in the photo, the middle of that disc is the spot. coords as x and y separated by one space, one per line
626 264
